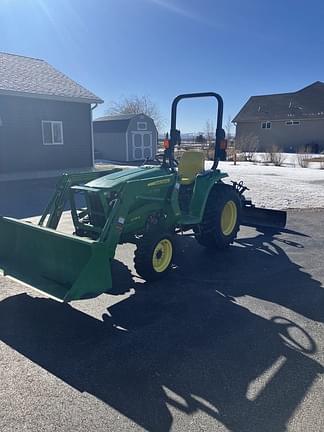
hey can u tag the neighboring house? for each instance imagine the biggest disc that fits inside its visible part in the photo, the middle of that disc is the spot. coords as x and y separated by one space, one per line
290 121
45 117
125 138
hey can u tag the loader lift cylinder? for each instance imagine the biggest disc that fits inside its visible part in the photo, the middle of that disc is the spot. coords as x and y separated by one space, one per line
220 134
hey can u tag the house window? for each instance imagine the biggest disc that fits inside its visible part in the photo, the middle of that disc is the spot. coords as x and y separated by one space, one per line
266 125
292 122
141 126
52 132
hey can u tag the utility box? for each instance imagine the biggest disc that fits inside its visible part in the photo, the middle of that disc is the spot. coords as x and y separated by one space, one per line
125 138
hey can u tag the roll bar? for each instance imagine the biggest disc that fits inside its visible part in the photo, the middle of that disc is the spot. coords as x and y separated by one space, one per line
174 133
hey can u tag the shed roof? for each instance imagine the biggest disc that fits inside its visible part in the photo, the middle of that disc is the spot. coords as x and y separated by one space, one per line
26 76
305 103
114 123
117 117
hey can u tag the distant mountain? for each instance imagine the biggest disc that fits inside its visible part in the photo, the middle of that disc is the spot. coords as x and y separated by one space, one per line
185 136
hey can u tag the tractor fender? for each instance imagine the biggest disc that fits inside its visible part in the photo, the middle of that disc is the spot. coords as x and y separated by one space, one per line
203 186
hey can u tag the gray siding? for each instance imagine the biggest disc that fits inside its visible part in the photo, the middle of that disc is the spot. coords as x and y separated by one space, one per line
21 139
109 146
118 126
289 138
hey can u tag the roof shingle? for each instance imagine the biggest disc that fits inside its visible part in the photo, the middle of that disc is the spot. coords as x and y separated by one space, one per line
34 77
305 103
114 123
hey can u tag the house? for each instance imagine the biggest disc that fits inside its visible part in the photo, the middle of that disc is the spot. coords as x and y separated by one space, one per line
45 117
125 138
290 121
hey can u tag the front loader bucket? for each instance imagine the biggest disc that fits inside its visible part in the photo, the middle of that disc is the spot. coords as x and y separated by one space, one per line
263 218
61 265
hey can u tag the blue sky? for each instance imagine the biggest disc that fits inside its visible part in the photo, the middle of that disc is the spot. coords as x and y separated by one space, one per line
162 48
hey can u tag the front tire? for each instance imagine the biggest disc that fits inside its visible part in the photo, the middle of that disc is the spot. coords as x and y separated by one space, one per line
153 256
221 220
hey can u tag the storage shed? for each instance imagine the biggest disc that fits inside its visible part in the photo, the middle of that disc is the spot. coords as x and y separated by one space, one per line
125 138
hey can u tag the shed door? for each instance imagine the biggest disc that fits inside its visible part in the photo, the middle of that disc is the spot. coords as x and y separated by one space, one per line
142 145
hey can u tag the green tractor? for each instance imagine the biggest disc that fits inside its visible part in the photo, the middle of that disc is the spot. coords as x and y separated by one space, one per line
147 206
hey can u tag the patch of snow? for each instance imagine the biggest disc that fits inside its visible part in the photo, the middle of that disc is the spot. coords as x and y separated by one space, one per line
278 187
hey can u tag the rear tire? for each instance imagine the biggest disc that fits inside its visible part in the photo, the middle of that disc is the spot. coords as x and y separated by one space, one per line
153 256
221 220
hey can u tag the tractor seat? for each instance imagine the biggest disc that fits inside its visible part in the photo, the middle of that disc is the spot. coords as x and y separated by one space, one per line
190 164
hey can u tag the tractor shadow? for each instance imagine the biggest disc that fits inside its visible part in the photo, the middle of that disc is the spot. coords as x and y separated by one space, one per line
257 266
182 345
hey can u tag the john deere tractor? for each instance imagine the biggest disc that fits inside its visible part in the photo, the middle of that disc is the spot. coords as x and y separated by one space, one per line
147 206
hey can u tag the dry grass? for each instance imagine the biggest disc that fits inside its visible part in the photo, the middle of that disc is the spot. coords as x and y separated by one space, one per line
317 159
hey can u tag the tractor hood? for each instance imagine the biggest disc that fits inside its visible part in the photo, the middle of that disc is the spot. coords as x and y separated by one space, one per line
126 174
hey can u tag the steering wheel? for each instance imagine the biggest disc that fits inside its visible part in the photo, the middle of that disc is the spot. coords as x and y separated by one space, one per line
159 158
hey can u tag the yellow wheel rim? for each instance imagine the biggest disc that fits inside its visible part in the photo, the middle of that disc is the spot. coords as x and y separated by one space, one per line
228 218
162 255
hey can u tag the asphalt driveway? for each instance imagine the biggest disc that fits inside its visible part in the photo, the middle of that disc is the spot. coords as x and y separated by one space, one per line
25 198
230 341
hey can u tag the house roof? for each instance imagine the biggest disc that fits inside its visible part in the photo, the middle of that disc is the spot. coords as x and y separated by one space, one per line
26 76
114 123
305 103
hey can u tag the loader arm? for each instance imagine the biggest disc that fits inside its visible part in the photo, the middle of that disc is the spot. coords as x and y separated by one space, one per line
53 211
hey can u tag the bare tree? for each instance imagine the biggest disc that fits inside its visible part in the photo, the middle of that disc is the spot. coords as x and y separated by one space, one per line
303 159
228 127
274 156
247 145
209 132
137 105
